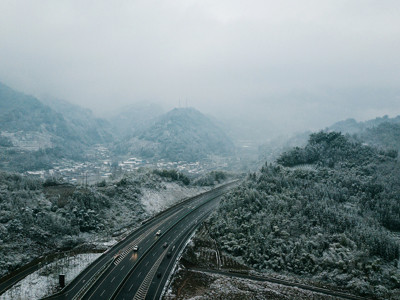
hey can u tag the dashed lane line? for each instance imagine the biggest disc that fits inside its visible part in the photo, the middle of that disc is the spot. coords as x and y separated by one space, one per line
130 247
144 287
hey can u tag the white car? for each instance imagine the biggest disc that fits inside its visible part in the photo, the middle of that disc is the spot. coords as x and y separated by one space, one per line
158 232
136 248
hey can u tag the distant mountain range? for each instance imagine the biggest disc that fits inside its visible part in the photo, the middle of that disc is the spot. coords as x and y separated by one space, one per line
36 133
182 134
351 126
382 132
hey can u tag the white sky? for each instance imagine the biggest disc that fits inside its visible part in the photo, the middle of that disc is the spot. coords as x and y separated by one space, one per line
304 63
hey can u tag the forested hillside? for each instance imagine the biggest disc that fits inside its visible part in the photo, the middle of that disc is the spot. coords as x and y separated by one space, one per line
382 132
324 212
49 215
182 134
351 126
82 121
385 135
20 112
33 135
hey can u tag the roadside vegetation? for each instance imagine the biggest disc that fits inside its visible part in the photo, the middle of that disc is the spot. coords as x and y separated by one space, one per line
54 216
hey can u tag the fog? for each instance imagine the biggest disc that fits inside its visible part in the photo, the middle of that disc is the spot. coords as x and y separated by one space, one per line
288 66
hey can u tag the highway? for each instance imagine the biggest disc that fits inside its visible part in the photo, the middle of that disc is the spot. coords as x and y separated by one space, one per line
123 272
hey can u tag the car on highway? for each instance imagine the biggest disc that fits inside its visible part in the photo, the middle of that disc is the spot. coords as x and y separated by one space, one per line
165 245
136 248
158 232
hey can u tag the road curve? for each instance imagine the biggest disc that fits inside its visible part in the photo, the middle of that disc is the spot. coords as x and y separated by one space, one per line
124 273
158 263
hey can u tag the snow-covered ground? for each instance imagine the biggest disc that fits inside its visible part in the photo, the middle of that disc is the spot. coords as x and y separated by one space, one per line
195 285
155 201
45 281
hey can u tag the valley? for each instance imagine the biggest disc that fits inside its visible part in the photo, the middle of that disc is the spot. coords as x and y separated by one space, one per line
199 150
318 209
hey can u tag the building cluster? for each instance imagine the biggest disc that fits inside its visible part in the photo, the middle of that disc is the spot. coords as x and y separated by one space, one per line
101 165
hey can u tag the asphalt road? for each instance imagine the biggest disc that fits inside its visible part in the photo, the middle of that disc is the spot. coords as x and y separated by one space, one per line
123 273
158 263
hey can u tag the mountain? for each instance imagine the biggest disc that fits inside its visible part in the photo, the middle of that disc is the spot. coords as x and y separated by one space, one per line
20 112
182 134
33 135
382 132
328 221
132 118
385 135
81 120
351 126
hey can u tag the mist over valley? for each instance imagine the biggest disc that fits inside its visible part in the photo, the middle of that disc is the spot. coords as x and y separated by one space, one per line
199 150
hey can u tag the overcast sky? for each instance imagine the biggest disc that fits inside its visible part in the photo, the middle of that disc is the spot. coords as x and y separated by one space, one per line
300 63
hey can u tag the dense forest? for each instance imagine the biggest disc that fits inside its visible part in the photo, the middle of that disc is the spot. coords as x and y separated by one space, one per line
325 212
49 215
351 126
385 135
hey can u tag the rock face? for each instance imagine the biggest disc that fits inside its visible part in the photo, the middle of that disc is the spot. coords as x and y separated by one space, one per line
182 134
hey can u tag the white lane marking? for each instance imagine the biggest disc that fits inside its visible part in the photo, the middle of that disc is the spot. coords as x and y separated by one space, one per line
141 293
139 274
122 268
113 279
102 293
130 288
122 253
